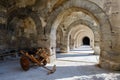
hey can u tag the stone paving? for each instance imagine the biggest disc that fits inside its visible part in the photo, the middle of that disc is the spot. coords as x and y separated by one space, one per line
71 66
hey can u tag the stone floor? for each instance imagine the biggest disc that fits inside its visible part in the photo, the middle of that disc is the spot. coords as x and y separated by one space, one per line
72 66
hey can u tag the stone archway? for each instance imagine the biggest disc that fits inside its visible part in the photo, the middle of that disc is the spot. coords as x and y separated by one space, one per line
23 13
92 10
24 28
59 39
86 25
79 37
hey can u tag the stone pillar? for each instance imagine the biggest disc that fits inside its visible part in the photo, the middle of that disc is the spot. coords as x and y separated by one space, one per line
63 48
52 54
97 48
110 60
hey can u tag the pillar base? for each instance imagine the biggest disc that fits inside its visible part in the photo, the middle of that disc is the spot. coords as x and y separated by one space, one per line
106 64
52 58
110 60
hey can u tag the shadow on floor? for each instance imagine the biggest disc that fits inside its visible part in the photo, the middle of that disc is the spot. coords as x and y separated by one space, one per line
13 71
74 55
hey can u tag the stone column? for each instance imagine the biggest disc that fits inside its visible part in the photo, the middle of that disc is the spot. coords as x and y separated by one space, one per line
64 48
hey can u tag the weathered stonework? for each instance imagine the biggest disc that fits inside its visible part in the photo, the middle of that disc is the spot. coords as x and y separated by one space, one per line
52 23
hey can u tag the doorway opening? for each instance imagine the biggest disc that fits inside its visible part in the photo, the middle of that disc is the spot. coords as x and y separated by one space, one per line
86 41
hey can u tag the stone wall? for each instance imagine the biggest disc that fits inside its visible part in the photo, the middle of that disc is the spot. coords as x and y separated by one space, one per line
33 23
110 59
